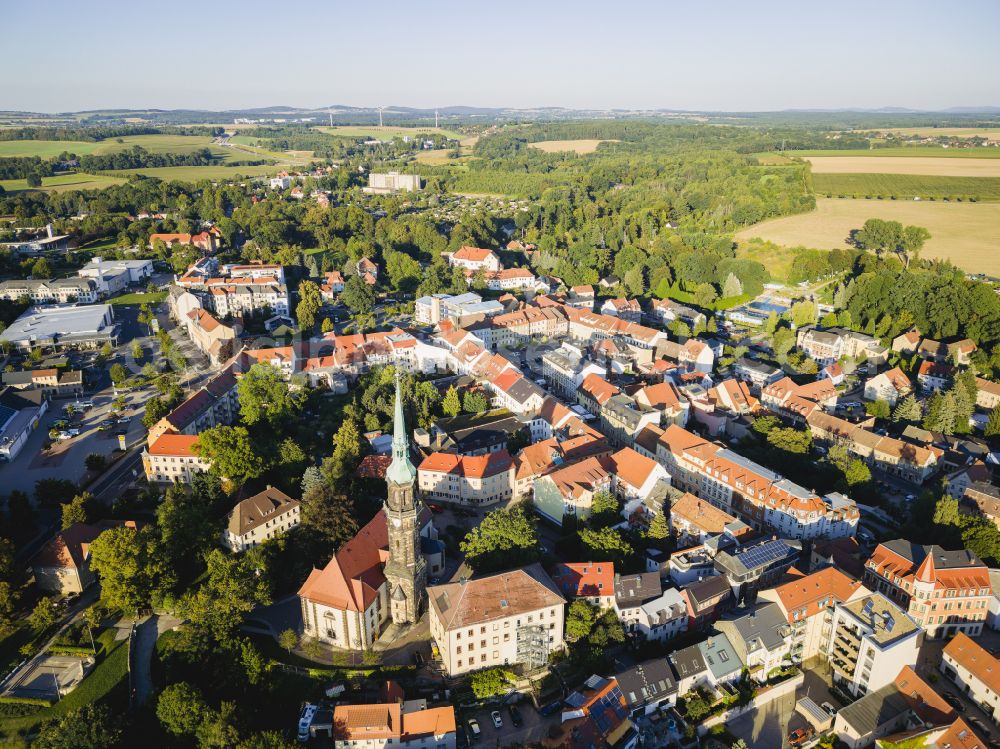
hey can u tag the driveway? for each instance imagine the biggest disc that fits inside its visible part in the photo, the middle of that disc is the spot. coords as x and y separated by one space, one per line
146 636
768 727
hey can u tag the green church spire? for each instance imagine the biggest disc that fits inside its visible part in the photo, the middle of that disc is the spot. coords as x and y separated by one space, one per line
401 470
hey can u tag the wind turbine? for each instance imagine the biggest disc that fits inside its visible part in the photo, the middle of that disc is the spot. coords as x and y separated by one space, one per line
380 115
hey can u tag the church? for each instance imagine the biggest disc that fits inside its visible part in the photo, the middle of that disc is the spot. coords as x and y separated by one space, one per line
379 576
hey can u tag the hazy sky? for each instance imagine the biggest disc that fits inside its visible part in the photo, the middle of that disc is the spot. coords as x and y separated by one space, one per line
62 55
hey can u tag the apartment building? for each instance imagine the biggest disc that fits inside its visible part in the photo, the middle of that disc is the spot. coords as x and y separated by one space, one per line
829 345
663 618
807 605
570 489
62 565
565 369
706 664
756 565
872 639
762 639
934 376
624 309
622 418
388 182
945 592
430 310
214 404
892 456
987 393
53 383
171 458
762 498
477 480
668 400
407 725
515 392
266 515
594 582
796 402
53 291
475 258
631 592
213 338
694 520
499 620
974 671
889 386
667 310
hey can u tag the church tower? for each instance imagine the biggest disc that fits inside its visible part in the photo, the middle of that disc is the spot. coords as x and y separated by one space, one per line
406 569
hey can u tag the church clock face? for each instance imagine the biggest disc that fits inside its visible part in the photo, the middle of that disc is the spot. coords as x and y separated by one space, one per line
396 522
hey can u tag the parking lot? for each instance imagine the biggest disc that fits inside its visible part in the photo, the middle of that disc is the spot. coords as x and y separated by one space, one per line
534 726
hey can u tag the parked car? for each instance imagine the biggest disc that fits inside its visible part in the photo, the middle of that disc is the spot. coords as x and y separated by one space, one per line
497 720
474 731
800 735
829 708
515 716
434 508
418 660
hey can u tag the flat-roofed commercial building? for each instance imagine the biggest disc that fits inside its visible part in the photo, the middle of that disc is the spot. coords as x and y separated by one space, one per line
88 326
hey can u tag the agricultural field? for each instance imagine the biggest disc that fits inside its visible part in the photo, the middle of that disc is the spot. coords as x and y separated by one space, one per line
389 131
583 145
901 165
906 186
967 234
929 152
45 149
991 133
196 173
435 157
64 182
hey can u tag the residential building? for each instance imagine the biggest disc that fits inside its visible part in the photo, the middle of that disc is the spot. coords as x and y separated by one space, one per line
762 639
906 343
565 369
871 640
759 375
706 665
382 726
933 376
570 489
807 604
987 393
477 480
664 617
622 418
707 599
266 515
597 715
206 241
648 687
829 345
667 310
381 184
945 592
63 327
515 392
214 404
62 566
506 279
213 338
796 402
430 310
503 619
631 592
52 382
20 414
762 498
55 291
889 386
757 565
668 400
332 285
975 671
171 458
594 582
889 455
983 499
475 258
594 392
624 309
694 520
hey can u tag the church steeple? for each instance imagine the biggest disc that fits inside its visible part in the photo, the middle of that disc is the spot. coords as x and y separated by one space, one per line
401 470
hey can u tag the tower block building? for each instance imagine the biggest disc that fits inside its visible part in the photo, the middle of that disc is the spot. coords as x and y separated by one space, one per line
405 570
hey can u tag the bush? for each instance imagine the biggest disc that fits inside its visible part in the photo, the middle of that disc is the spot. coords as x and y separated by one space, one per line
36 701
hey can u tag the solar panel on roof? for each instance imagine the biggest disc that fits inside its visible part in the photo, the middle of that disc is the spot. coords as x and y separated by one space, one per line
889 623
867 609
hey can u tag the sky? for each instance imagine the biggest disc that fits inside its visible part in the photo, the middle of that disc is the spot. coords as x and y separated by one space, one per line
709 55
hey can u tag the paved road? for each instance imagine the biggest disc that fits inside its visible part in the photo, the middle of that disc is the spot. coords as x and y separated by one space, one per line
146 635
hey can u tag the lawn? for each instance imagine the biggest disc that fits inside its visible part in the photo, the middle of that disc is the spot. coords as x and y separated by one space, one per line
389 131
139 298
109 672
961 167
906 186
777 259
965 233
582 145
65 182
933 152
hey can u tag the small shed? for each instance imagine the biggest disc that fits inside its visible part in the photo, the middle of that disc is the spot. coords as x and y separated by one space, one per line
820 719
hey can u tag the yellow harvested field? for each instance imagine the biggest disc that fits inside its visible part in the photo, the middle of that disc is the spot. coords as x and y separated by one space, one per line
967 234
933 166
584 145
990 133
434 156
